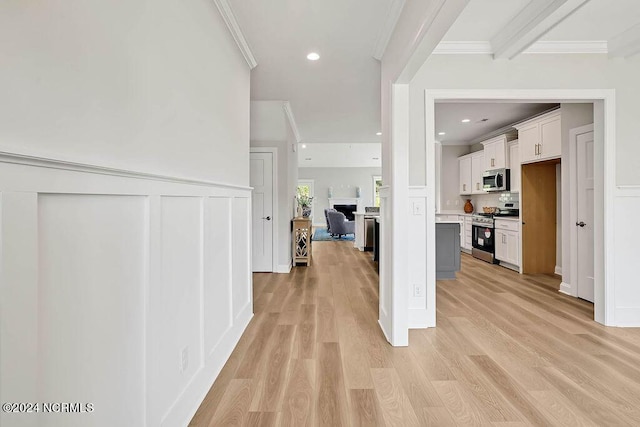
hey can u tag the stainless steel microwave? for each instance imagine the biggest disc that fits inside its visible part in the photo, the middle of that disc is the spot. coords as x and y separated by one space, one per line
496 180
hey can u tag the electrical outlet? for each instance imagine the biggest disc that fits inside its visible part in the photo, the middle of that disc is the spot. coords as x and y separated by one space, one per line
184 359
417 290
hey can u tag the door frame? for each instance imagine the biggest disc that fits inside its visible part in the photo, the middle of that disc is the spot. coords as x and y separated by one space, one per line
274 205
572 289
605 166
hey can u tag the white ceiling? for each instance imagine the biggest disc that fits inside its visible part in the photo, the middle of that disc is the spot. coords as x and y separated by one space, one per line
334 99
337 99
449 118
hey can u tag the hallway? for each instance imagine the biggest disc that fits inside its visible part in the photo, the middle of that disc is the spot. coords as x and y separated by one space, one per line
506 349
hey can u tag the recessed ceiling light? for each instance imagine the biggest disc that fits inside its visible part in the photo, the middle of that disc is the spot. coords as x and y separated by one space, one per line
304 145
378 133
442 133
313 56
466 120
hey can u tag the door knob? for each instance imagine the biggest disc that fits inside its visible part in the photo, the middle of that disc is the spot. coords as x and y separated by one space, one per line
268 218
580 224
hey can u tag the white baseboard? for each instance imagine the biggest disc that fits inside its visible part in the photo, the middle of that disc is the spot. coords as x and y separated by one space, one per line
627 317
284 268
558 270
510 266
419 319
565 288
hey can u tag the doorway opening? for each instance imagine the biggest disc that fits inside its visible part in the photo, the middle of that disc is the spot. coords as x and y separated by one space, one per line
603 166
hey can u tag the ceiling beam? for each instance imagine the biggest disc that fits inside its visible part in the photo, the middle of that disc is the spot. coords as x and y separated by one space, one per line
531 23
387 28
625 44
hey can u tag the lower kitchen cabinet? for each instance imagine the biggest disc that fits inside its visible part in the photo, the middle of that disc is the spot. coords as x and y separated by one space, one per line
508 246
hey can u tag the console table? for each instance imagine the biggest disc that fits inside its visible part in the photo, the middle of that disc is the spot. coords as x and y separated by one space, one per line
302 233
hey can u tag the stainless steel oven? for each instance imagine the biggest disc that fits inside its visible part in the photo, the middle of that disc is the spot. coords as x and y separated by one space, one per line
483 238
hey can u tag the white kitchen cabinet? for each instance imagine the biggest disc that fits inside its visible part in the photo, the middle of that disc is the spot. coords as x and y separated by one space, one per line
495 151
507 240
540 138
467 241
514 160
477 169
464 164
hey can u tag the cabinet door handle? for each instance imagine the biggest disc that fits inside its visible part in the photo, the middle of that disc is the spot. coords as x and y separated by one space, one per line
536 150
539 148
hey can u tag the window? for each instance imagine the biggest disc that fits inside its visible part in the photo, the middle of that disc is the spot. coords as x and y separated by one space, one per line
304 194
377 183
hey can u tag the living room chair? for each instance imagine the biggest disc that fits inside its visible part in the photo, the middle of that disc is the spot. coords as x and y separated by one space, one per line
327 218
339 224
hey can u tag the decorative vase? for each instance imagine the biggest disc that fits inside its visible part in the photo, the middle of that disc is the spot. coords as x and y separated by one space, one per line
330 191
358 191
468 207
299 212
306 211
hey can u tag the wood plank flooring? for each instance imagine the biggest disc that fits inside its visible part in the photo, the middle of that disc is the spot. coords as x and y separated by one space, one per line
508 350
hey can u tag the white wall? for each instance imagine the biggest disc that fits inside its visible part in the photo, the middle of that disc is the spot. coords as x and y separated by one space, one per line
450 198
108 276
551 72
270 128
344 182
159 89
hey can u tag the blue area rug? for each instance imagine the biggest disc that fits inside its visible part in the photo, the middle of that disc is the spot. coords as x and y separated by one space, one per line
321 235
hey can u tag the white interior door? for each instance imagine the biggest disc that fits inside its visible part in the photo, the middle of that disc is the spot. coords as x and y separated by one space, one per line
584 223
261 179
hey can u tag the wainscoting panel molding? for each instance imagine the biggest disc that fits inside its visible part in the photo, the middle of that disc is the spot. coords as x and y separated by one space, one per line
627 236
118 288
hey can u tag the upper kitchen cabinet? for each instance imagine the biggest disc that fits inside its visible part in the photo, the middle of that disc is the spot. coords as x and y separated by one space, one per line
477 169
540 138
464 164
496 154
471 170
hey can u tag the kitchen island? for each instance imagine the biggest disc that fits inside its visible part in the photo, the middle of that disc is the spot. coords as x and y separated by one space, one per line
447 249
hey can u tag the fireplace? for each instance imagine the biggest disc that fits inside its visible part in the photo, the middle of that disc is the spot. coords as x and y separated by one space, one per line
347 210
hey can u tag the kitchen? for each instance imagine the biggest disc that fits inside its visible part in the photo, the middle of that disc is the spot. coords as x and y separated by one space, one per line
499 167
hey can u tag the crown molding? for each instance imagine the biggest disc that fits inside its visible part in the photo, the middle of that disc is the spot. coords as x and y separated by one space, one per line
540 47
625 44
393 14
234 28
286 106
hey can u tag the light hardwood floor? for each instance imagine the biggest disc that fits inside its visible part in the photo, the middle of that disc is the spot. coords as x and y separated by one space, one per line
508 350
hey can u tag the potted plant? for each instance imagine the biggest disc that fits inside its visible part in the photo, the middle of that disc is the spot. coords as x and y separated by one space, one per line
304 203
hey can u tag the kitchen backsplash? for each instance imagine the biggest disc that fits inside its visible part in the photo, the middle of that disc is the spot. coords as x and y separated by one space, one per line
480 200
